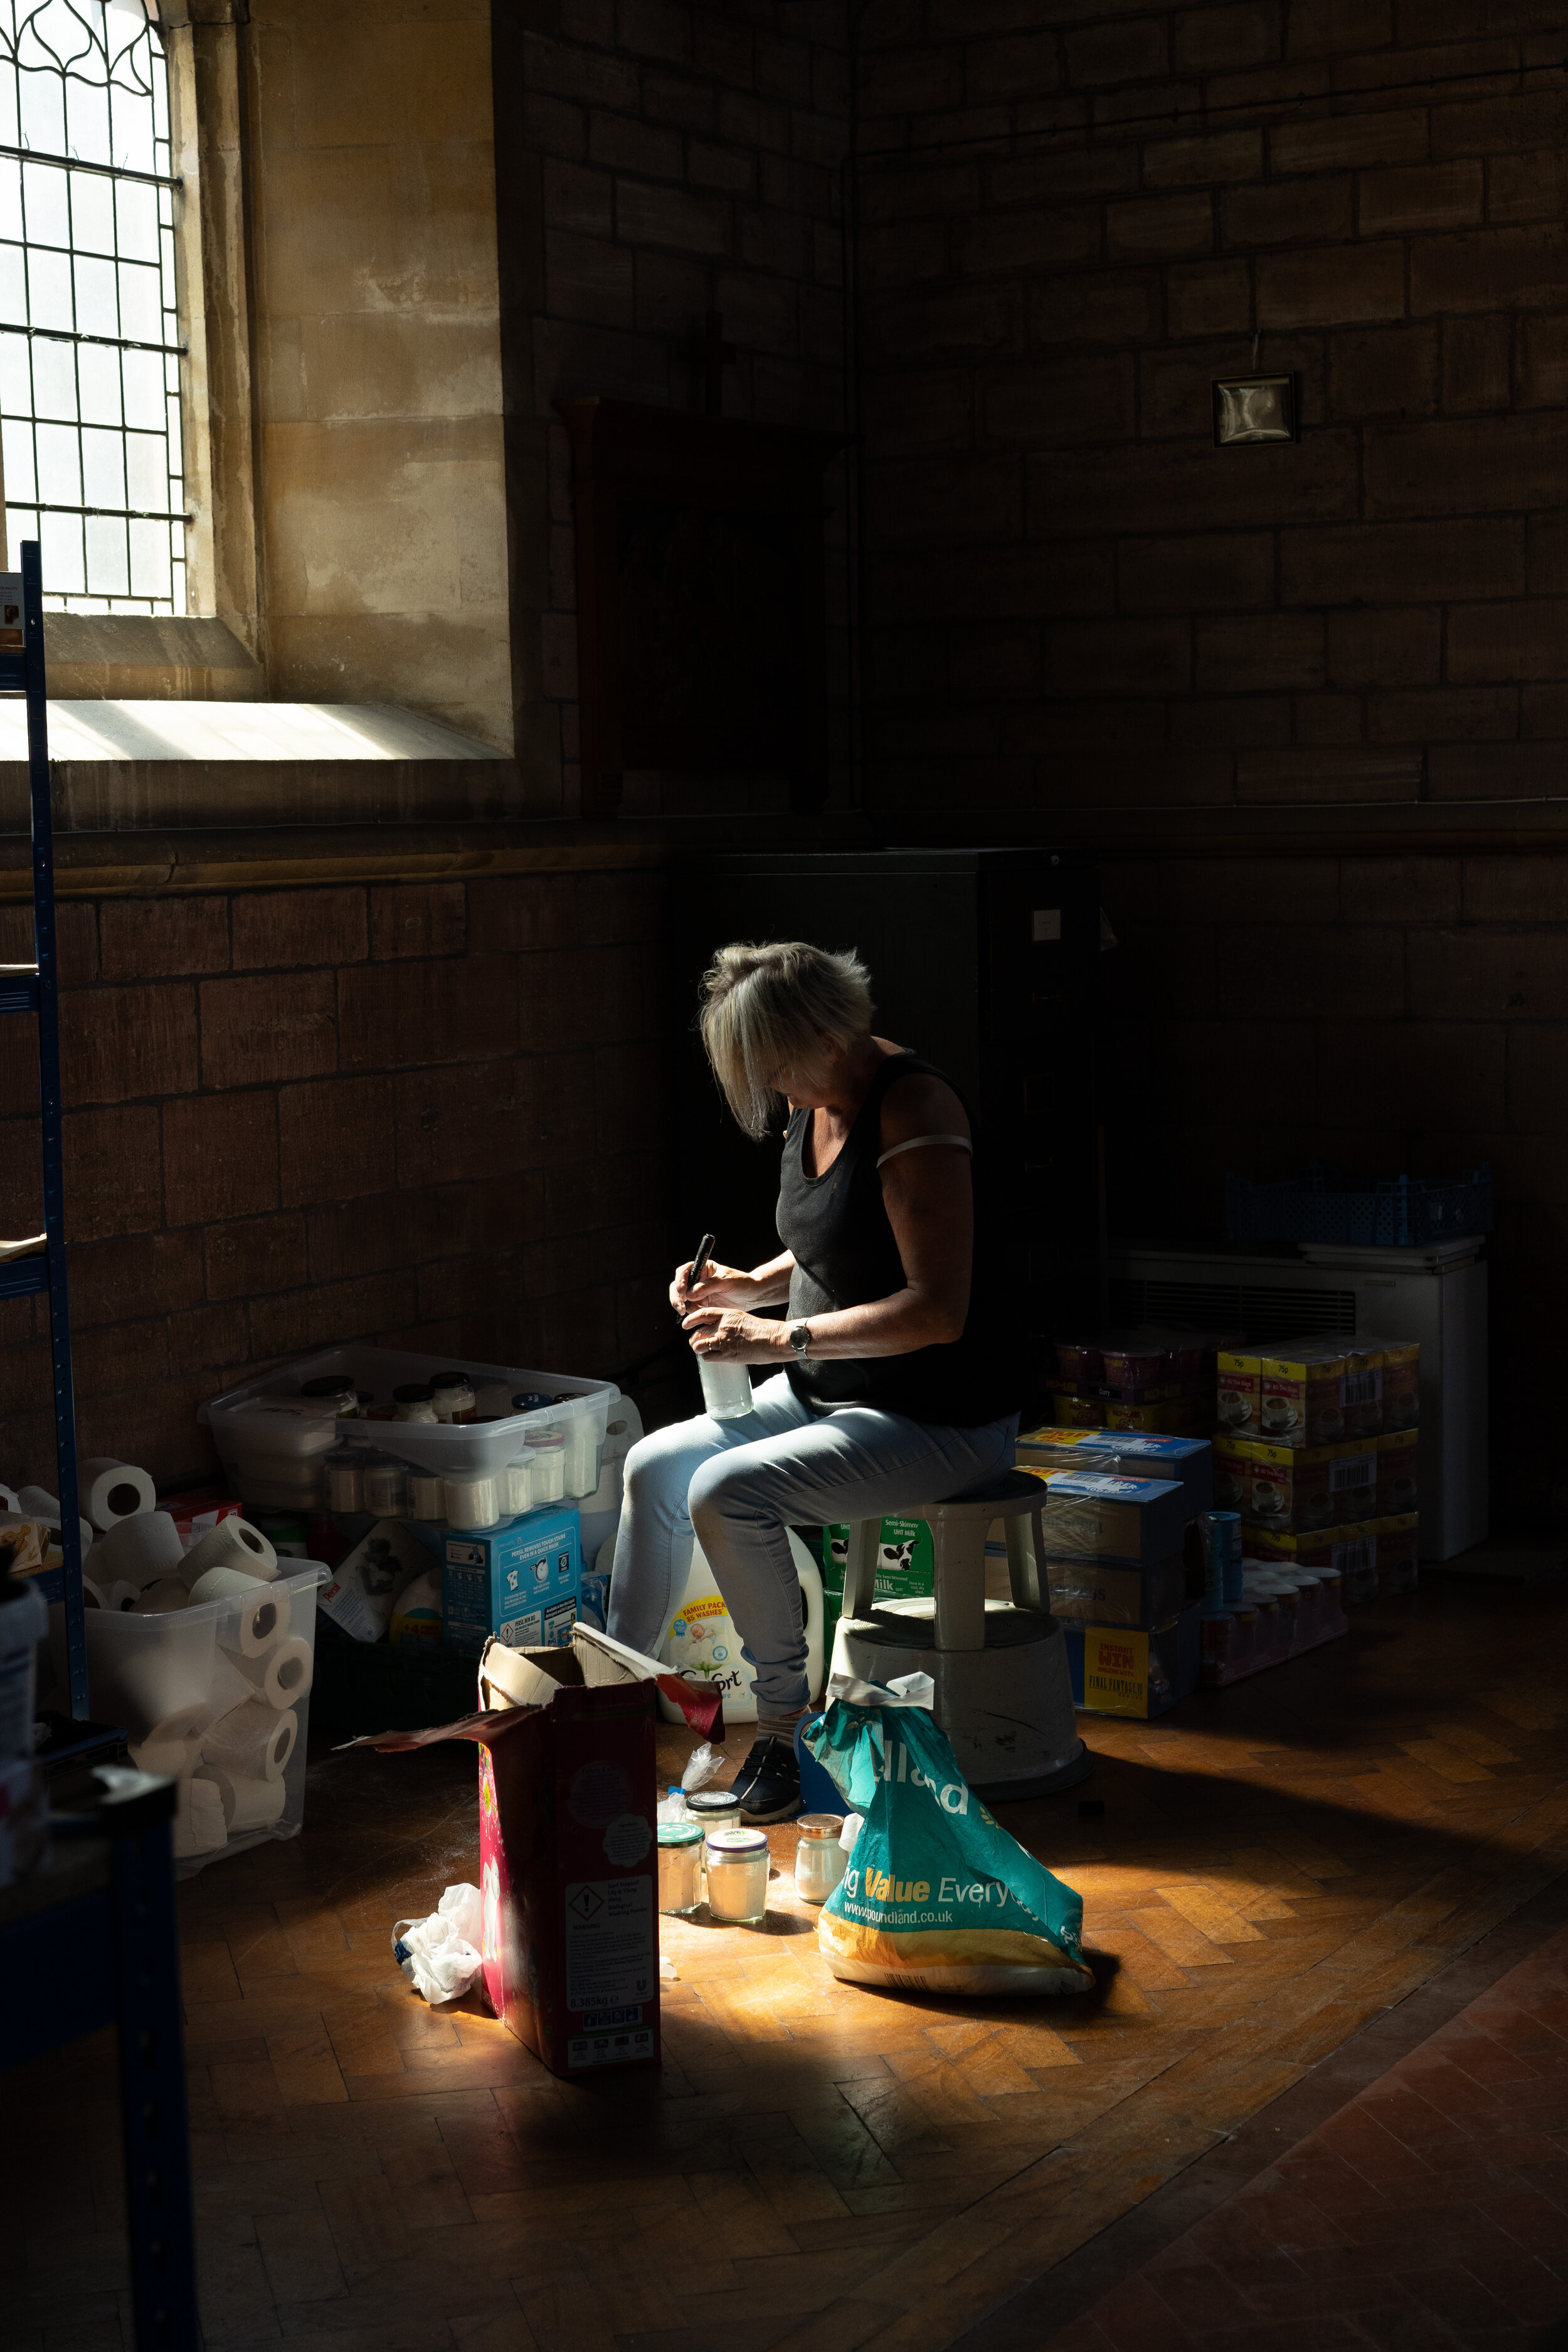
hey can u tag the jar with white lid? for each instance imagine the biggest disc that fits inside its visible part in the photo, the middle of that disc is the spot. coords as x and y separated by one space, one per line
819 1859
715 1809
415 1401
1330 1602
472 1502
1308 1620
545 1451
427 1495
454 1396
738 1876
519 1477
386 1488
679 1867
335 1389
345 1479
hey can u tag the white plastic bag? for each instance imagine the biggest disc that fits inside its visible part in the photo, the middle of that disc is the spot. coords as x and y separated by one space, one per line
440 1956
702 1765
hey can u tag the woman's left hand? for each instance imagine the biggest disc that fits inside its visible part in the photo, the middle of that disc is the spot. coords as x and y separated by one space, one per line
729 1336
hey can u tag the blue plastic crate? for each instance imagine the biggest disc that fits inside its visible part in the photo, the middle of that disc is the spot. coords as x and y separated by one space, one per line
1324 1204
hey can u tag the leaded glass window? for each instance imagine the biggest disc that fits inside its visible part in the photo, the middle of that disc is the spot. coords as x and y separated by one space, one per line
90 364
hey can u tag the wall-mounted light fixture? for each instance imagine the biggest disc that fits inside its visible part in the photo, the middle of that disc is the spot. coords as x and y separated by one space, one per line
1251 408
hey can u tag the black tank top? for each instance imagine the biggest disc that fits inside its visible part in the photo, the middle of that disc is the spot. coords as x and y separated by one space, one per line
835 1225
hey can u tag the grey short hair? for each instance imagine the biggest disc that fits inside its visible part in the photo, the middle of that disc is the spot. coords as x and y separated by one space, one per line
765 1008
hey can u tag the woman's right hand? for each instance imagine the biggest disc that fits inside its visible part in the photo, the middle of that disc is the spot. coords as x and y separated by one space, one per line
721 1285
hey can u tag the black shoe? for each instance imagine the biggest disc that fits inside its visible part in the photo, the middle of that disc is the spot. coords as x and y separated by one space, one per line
768 1782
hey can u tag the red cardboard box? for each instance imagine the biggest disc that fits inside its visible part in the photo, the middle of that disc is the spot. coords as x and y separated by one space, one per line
568 1847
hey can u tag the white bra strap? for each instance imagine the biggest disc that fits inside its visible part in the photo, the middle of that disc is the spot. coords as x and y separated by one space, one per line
915 1142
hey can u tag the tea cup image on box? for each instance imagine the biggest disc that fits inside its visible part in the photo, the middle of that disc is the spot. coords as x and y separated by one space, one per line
1238 1393
1398 1478
1277 1485
1352 1481
1401 1382
1315 1393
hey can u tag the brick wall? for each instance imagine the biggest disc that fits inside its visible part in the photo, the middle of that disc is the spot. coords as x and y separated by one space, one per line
1073 591
427 1115
1080 214
659 160
1383 1012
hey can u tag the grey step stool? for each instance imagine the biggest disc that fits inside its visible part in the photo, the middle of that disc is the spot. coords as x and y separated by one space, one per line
1003 1695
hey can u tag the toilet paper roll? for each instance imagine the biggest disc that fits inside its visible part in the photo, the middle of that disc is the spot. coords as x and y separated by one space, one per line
199 1824
233 1543
158 1599
283 1674
177 1734
92 1594
246 1804
253 1743
110 1491
172 1760
229 1687
260 1618
10 1502
143 1549
121 1596
142 1671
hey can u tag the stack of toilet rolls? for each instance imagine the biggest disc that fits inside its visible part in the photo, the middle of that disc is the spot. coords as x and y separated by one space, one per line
210 1703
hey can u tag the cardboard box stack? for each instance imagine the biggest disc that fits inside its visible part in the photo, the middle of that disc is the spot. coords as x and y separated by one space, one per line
1317 1449
1125 1580
1148 1378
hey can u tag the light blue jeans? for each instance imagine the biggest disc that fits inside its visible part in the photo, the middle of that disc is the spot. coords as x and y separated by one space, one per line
738 1485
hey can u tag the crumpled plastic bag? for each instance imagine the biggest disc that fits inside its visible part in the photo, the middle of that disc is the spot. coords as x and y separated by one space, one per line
442 1956
937 1896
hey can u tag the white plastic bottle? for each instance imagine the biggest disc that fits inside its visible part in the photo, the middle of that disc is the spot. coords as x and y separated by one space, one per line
701 1641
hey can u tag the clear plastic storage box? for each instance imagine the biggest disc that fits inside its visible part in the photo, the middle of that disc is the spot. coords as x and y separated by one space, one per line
217 1696
274 1442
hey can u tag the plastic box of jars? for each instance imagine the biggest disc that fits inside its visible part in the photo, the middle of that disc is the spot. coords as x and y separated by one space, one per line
285 1450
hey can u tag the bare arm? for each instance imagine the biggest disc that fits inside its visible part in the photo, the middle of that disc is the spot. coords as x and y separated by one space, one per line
730 1285
930 1207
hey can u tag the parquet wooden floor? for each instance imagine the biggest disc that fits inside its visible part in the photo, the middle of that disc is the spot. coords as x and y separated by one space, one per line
817 2165
1433 2207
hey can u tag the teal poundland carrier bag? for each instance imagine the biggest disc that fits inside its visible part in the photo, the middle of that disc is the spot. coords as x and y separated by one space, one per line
937 1897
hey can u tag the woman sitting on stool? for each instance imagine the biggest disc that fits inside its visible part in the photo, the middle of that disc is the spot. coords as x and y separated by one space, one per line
897 1383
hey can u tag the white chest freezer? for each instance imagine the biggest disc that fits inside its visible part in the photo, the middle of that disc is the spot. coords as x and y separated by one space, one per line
1284 1290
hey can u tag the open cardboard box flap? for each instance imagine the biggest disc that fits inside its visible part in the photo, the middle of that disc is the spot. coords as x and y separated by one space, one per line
515 1683
568 1842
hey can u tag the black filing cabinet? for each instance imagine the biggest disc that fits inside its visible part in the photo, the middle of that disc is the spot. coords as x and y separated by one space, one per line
987 963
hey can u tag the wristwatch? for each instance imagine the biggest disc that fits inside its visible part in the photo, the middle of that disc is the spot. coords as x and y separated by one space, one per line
800 1340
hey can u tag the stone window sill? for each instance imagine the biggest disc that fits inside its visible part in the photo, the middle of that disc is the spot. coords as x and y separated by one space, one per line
147 657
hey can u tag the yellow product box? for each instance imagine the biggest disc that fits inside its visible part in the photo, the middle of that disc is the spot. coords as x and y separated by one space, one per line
1239 1379
1053 1449
1078 1411
1390 1546
1127 1670
1398 1482
1401 1382
1316 1548
1319 1392
1177 1417
1283 1486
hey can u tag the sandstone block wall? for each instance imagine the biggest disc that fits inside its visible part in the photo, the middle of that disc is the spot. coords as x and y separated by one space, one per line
677 158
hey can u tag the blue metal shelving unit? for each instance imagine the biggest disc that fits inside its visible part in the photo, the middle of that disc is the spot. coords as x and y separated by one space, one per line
36 989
